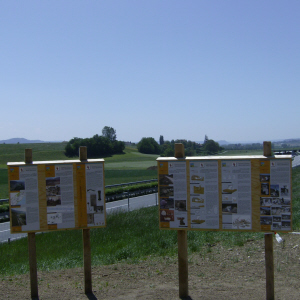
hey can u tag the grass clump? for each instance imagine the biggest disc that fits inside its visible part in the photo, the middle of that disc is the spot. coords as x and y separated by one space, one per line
4 207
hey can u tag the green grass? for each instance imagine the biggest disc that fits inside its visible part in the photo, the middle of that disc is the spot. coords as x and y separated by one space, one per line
3 184
40 152
4 207
124 176
132 236
242 152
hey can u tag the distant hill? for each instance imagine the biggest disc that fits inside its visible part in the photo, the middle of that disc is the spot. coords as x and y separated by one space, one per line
222 142
20 141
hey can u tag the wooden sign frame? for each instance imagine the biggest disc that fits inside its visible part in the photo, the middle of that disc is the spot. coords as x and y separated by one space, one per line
56 195
253 169
260 204
76 177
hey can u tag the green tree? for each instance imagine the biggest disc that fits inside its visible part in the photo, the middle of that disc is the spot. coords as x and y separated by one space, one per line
72 147
148 146
212 147
109 133
161 140
97 146
206 139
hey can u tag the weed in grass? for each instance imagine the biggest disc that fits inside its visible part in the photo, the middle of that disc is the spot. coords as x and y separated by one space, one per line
278 266
133 274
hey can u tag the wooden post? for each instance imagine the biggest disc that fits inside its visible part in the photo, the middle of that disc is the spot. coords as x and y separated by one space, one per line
269 266
28 156
182 245
83 153
267 149
32 264
87 260
32 245
269 260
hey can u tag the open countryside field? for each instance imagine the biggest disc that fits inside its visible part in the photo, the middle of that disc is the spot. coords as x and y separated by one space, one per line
128 167
133 259
242 152
122 168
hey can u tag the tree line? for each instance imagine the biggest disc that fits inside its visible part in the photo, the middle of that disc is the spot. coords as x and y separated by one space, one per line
107 144
148 145
98 145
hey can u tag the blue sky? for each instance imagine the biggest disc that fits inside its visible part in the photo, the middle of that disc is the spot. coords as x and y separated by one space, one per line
181 69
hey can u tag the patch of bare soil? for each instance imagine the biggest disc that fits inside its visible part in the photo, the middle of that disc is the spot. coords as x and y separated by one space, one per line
152 168
219 273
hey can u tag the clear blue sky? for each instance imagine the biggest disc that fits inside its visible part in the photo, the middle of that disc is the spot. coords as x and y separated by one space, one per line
181 69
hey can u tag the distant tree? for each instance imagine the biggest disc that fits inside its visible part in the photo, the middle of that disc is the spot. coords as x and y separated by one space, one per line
148 146
167 149
212 147
97 146
169 152
161 140
205 139
72 147
109 133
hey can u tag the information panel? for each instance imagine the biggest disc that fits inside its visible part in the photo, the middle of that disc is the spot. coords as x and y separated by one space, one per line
236 194
56 195
275 198
204 194
173 194
243 193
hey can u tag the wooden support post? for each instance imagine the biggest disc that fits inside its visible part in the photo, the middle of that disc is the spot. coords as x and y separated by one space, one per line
28 156
183 271
32 265
82 153
267 149
182 245
32 245
269 266
87 260
269 260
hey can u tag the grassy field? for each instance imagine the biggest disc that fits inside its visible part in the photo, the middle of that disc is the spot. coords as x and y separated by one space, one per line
128 167
45 151
3 184
132 236
242 152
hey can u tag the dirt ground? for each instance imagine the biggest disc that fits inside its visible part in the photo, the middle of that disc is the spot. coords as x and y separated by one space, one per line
219 273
